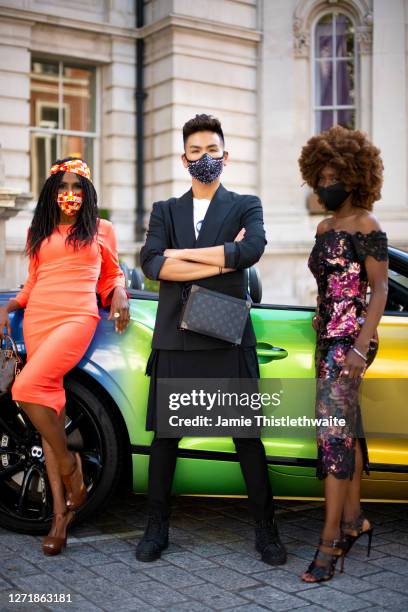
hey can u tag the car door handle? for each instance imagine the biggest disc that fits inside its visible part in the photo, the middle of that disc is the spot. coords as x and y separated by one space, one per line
272 352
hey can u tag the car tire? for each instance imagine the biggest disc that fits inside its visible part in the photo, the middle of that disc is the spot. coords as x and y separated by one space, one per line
92 431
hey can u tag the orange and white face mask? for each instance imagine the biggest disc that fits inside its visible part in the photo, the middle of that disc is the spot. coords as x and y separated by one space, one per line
69 202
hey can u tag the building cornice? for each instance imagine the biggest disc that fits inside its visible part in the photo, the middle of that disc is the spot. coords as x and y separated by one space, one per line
187 22
92 27
170 21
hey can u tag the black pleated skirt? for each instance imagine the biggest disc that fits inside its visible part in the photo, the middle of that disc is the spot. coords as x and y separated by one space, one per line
231 362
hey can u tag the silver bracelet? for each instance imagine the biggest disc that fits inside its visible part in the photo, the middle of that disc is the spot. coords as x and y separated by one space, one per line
353 348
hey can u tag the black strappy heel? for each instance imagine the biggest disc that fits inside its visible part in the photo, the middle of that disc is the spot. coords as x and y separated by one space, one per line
324 572
356 525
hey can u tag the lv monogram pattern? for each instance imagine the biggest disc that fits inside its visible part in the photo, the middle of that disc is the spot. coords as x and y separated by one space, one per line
216 317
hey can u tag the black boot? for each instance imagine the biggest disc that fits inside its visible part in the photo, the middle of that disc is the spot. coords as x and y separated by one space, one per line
268 543
154 540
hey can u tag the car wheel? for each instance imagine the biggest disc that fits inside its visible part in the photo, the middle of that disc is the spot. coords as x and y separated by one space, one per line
25 495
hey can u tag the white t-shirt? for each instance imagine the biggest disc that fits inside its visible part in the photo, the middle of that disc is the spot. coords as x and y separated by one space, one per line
200 208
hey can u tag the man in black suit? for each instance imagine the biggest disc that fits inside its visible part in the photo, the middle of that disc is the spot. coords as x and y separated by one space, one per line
208 236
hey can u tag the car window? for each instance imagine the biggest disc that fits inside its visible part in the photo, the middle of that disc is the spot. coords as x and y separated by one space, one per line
398 278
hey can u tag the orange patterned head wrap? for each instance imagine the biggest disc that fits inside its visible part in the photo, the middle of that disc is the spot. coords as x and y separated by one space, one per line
77 166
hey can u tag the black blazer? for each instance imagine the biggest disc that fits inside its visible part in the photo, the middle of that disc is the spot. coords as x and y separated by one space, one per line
171 226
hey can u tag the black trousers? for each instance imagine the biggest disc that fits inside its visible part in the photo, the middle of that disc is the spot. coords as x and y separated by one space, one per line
251 455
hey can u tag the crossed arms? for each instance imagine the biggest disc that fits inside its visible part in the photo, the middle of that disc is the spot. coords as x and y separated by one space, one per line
162 263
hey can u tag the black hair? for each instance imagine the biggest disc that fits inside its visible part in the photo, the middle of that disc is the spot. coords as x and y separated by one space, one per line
202 123
47 213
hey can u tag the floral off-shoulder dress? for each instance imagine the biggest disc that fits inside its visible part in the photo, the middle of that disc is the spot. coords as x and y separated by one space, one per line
337 263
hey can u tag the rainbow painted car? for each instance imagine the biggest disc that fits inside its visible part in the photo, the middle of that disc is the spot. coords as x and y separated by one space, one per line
107 395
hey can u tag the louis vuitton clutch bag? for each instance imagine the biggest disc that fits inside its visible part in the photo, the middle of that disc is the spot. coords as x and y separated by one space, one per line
215 314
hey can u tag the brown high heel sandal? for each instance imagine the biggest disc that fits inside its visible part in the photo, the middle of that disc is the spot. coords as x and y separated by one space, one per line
53 545
74 485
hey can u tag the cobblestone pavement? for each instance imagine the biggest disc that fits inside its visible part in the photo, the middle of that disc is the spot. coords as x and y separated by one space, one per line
210 564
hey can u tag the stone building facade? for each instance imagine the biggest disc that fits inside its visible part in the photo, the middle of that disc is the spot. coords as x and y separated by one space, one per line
264 67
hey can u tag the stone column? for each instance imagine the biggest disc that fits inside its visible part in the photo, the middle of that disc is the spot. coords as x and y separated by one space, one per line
389 116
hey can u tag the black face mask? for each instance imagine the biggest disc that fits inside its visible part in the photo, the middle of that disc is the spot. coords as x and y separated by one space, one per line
207 168
333 196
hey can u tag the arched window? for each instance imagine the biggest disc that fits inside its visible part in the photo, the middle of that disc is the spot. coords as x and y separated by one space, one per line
334 72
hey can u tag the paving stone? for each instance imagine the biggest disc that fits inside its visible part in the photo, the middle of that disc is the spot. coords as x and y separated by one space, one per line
227 578
350 584
173 576
18 542
252 608
208 549
42 583
4 584
82 605
188 560
296 565
393 536
388 580
186 522
301 550
130 559
87 557
214 597
358 569
245 547
119 573
335 600
387 598
392 564
8 605
217 535
398 550
187 606
15 566
172 547
210 564
70 578
241 562
113 546
284 580
102 591
157 594
273 599
130 605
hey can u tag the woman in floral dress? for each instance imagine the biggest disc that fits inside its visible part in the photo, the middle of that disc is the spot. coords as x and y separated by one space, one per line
349 254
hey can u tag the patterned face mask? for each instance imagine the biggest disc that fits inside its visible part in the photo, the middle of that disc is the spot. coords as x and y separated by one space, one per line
206 169
69 202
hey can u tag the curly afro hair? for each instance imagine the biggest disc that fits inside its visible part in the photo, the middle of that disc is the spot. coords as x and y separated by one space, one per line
355 158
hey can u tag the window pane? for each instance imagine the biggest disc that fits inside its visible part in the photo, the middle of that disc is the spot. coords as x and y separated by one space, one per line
344 37
43 154
347 118
76 146
324 120
44 94
324 83
79 98
324 37
345 83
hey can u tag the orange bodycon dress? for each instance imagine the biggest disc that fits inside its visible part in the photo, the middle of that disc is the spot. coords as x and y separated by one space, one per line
61 310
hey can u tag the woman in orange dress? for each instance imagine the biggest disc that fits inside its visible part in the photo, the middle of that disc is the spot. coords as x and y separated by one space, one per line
72 256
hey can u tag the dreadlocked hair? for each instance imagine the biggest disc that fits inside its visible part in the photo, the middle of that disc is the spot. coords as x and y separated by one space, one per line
47 214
